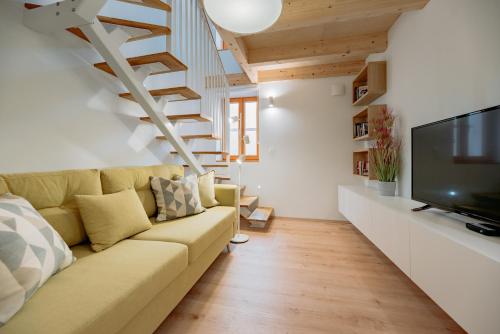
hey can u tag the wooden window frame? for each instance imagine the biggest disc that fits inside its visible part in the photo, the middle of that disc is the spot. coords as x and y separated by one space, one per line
241 128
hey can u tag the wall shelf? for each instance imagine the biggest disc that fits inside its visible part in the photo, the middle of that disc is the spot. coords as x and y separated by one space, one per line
374 78
362 155
366 115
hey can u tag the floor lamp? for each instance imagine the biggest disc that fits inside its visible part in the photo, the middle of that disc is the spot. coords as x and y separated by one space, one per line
239 237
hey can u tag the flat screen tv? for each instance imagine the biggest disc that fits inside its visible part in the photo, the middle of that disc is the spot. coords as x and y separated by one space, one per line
456 164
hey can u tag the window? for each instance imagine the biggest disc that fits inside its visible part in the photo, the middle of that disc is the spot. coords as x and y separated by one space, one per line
244 121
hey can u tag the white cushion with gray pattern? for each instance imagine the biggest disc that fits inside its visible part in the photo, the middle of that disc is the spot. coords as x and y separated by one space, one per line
30 252
176 198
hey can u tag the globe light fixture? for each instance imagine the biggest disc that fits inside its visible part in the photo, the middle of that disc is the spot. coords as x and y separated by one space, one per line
244 16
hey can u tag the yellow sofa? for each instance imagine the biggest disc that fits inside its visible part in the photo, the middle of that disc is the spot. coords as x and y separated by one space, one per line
132 286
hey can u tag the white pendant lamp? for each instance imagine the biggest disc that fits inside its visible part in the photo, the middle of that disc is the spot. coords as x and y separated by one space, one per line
244 16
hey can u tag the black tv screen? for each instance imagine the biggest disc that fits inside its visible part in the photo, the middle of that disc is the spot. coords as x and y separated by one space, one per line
456 164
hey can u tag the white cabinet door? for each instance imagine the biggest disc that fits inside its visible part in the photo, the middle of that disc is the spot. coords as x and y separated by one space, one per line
360 212
390 233
463 282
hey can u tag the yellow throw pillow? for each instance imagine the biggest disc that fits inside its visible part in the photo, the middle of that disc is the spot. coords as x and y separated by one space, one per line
206 186
111 218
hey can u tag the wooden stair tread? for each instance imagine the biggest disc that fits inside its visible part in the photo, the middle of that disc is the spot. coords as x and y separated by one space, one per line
133 24
203 152
247 201
261 214
210 166
165 58
154 29
185 92
189 137
156 4
180 118
222 177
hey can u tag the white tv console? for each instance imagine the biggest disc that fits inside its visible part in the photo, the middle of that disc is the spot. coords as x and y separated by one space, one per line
459 269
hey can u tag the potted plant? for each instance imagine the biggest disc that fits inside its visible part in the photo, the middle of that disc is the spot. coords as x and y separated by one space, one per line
385 157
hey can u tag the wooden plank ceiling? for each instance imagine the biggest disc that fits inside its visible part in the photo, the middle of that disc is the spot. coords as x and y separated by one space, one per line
316 38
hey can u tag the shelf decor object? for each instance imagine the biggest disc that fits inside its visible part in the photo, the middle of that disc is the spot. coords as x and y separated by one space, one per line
385 152
370 83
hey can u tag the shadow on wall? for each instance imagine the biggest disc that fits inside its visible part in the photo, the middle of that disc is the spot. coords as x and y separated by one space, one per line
57 111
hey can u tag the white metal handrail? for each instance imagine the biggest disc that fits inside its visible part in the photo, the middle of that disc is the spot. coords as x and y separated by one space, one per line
192 42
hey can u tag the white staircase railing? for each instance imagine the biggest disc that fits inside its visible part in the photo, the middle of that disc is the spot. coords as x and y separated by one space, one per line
192 43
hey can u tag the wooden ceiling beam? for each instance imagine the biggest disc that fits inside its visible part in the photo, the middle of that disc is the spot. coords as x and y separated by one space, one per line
312 72
306 13
239 50
351 46
238 79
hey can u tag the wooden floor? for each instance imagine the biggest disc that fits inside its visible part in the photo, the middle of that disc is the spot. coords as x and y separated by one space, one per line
306 277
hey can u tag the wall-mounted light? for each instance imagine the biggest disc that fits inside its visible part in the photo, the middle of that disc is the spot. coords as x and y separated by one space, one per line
270 103
338 90
246 139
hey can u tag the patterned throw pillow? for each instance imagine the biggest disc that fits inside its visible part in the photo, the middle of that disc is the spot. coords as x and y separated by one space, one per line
30 252
177 198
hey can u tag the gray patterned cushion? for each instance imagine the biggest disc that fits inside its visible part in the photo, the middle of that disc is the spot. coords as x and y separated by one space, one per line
30 252
177 198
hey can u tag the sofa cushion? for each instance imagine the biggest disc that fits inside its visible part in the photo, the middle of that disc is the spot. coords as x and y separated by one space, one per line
3 187
119 179
101 291
57 190
176 199
111 218
197 232
30 252
206 185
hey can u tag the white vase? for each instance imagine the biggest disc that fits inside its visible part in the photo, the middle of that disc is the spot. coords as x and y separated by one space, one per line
387 188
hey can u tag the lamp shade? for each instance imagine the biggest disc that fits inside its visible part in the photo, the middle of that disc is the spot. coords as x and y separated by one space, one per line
244 16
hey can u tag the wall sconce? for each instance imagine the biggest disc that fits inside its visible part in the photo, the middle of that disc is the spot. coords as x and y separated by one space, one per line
338 90
270 102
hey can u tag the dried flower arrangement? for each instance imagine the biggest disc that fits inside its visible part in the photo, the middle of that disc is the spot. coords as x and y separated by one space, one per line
385 157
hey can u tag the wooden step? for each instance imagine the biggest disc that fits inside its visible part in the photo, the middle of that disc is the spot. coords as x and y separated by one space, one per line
156 4
185 92
203 152
181 118
261 214
260 217
189 137
154 30
210 166
222 178
173 64
248 201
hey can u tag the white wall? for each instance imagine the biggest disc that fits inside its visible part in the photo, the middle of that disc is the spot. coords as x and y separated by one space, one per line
442 61
57 111
306 148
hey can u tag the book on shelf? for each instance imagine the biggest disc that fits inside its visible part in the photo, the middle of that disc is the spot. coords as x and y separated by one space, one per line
360 129
362 168
360 91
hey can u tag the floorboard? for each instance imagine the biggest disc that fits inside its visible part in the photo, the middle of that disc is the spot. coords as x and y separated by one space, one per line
302 276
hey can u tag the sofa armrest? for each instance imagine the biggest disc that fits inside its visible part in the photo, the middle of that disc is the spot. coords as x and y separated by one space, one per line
227 195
